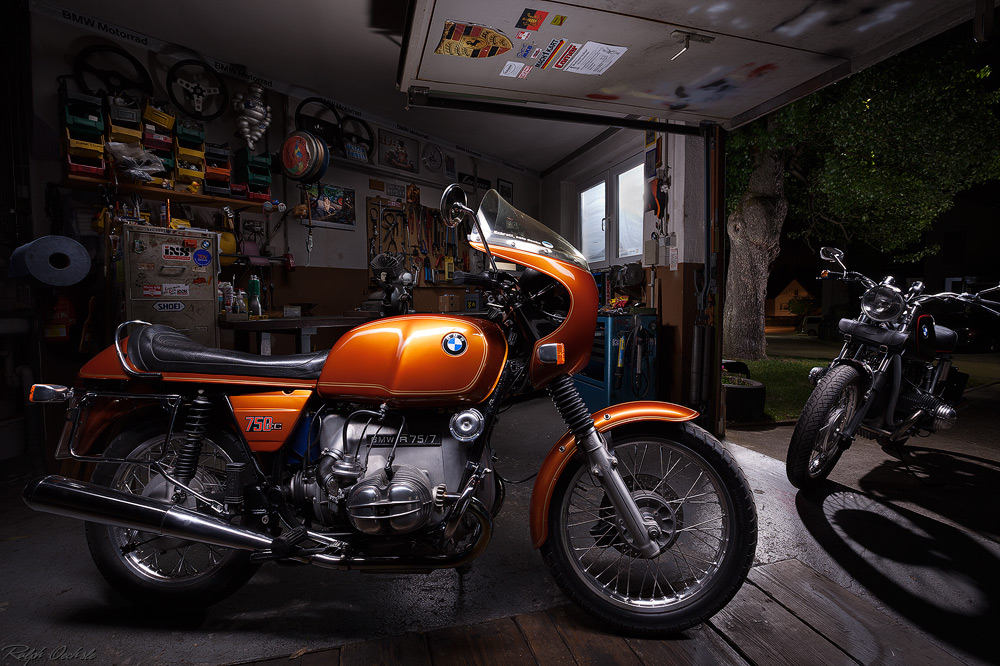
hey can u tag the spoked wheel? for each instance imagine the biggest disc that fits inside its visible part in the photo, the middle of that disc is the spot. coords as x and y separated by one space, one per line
158 571
815 446
693 490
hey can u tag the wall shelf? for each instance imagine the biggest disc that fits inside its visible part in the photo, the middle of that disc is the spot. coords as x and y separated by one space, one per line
153 193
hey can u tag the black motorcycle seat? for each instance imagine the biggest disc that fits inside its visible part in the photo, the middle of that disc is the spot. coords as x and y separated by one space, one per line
874 334
160 348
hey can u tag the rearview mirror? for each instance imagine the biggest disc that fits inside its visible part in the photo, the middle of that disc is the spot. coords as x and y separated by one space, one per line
454 205
833 254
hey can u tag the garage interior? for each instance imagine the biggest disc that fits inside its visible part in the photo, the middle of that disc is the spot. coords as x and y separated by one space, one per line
649 107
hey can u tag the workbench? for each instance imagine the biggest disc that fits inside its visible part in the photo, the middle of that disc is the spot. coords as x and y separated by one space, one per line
303 328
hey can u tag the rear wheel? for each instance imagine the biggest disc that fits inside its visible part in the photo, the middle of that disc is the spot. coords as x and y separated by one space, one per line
693 489
157 571
816 446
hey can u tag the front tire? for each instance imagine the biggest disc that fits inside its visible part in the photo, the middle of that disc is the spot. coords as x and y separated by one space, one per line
682 478
815 446
156 572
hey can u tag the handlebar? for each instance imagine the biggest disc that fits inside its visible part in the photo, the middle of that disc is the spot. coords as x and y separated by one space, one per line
847 276
971 299
484 279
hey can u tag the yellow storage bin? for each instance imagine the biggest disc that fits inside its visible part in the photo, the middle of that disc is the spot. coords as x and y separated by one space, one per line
82 148
160 118
196 155
124 134
184 175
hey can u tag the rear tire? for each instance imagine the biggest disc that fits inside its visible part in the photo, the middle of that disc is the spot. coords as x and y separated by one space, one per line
165 573
814 449
686 481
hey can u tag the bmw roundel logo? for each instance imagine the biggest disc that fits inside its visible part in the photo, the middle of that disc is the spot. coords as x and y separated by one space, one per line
454 344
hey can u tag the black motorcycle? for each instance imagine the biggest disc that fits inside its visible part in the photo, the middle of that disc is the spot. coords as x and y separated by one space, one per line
893 378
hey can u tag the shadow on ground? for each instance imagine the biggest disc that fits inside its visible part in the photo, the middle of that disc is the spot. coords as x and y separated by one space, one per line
959 487
947 584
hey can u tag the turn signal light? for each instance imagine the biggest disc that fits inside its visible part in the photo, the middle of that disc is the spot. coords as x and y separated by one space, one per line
552 353
49 393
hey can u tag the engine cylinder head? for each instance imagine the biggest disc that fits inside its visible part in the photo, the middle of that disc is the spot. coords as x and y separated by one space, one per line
944 416
377 505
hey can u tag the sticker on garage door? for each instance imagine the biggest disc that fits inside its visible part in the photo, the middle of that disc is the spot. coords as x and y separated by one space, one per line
566 56
469 40
512 68
531 19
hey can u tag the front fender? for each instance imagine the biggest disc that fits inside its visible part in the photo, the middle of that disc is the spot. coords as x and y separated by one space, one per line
563 450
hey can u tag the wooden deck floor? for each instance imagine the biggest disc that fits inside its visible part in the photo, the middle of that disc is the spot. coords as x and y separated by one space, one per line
786 614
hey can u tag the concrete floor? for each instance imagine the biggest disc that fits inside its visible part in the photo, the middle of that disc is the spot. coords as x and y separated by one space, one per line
920 542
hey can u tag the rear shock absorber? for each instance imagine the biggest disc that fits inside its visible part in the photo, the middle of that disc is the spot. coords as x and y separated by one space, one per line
571 407
194 432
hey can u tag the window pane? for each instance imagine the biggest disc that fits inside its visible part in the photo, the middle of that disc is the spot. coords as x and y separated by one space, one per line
630 212
592 213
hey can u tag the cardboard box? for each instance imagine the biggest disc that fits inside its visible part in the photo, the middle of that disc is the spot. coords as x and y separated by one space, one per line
450 303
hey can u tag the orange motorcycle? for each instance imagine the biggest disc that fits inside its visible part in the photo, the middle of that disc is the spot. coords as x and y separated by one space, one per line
376 455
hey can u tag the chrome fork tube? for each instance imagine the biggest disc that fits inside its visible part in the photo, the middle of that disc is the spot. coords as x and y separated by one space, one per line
602 464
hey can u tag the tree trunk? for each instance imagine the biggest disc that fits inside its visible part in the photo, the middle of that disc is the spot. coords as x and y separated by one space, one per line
754 233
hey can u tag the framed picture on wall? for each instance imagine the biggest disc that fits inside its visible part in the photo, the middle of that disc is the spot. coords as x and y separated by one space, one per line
397 151
506 189
332 207
450 171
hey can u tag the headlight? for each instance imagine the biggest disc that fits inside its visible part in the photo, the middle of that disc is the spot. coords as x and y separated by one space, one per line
883 302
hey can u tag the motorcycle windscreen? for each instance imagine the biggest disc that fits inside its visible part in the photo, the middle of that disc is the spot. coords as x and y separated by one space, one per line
519 238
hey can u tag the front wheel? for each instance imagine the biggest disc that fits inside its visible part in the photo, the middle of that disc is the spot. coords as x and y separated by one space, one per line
158 572
683 479
816 446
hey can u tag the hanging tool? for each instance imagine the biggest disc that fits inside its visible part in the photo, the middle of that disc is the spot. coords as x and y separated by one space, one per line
391 230
373 217
309 238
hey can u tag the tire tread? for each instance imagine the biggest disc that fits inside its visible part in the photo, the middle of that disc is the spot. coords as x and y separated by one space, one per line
814 414
647 626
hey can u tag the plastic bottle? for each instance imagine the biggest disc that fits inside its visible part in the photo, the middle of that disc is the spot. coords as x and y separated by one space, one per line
253 287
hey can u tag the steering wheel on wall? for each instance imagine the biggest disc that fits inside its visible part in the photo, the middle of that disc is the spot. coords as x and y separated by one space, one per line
88 63
319 127
204 95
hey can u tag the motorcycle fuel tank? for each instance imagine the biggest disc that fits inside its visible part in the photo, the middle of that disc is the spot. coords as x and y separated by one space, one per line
411 360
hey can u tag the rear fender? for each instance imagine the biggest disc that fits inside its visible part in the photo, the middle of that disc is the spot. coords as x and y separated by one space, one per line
626 416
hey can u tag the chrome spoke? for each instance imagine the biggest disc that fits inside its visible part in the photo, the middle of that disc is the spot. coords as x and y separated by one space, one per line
686 496
157 557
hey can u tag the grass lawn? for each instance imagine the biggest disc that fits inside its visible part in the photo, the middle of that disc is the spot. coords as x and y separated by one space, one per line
787 383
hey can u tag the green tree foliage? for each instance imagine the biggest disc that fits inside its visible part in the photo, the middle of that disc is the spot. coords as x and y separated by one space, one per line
875 158
802 306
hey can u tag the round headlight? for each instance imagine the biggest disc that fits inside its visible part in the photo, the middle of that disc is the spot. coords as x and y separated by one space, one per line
883 302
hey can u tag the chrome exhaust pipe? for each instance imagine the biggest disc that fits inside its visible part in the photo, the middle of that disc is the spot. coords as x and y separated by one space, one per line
88 501
905 426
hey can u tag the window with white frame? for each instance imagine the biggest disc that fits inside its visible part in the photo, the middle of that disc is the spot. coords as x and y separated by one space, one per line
610 209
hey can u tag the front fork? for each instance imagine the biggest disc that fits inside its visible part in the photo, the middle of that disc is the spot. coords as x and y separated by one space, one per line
870 397
642 534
